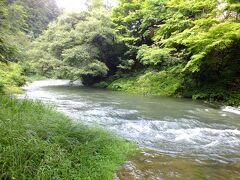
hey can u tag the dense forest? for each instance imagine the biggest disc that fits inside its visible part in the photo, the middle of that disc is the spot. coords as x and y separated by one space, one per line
154 47
20 23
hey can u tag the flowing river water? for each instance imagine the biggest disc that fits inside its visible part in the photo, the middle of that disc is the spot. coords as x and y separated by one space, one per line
182 139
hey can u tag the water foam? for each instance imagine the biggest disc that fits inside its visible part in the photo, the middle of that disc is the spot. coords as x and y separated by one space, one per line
44 83
231 109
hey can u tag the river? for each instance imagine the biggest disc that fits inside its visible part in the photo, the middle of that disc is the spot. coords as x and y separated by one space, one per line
183 139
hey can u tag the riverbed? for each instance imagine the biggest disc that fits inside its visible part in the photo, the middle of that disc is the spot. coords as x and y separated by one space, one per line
181 138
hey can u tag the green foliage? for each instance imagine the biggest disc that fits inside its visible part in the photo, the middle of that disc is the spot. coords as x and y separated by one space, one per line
232 99
162 83
78 45
217 93
34 15
218 38
12 40
127 19
11 78
16 17
124 84
126 64
201 37
20 17
135 22
37 142
154 55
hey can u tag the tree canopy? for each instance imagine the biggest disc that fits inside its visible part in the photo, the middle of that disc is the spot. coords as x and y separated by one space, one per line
78 45
203 36
20 22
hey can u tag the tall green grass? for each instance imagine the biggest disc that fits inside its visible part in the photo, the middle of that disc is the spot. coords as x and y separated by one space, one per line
37 142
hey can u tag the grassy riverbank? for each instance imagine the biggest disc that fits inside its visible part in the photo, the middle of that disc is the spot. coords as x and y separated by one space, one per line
36 142
170 82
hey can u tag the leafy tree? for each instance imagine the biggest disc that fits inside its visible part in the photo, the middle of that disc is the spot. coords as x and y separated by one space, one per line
38 14
17 24
135 23
82 45
12 39
18 17
202 36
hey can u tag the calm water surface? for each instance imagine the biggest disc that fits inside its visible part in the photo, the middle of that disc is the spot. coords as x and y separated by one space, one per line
184 139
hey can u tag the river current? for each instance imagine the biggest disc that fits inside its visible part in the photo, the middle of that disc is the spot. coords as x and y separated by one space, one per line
184 139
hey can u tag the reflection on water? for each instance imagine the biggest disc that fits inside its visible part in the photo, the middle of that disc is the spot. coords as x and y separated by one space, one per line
190 139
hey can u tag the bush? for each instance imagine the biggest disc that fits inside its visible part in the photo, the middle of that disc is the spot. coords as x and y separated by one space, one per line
163 83
11 77
217 94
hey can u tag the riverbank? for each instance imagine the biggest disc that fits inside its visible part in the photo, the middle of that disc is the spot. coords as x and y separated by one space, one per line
170 83
38 142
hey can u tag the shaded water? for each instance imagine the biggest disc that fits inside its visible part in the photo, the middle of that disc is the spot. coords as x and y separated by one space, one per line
185 139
